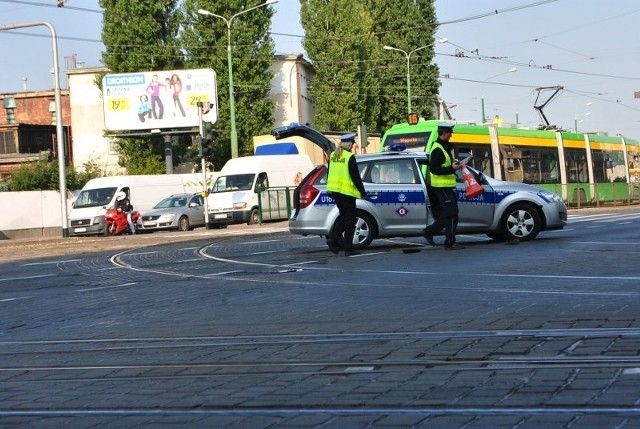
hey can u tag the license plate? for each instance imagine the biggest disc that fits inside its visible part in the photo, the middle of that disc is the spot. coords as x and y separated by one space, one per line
220 216
149 223
80 230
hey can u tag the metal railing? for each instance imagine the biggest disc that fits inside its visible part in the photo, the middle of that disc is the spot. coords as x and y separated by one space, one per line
275 203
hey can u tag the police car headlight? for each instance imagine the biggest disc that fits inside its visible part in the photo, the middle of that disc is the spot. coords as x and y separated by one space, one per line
549 196
167 217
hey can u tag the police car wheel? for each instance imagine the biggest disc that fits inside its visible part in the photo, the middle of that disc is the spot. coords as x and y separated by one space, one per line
521 221
365 231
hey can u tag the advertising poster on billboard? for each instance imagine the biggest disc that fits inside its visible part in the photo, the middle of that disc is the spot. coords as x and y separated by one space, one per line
158 100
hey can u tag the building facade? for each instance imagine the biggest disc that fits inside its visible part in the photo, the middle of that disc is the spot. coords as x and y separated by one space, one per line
28 128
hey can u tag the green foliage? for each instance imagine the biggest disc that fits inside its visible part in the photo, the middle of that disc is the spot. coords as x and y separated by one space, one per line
140 35
44 176
344 52
141 155
204 38
356 79
406 26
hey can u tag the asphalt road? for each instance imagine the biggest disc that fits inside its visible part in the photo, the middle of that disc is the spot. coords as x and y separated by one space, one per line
254 327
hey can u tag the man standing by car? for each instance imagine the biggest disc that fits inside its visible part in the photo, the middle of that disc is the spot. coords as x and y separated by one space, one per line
344 185
442 178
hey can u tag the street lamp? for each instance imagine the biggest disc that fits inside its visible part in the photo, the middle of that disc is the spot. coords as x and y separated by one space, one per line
511 70
408 57
232 100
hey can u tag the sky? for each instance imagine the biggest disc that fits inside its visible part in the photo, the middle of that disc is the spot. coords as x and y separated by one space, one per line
587 47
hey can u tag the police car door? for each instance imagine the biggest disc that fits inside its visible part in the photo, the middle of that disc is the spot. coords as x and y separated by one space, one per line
475 213
396 194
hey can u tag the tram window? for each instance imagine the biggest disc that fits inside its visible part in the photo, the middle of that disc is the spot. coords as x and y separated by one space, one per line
576 166
481 160
540 166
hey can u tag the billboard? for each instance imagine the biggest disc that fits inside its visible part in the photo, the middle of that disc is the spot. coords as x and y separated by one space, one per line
158 99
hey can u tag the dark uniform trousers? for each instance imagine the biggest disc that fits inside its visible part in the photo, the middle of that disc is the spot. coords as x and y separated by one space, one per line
447 217
346 222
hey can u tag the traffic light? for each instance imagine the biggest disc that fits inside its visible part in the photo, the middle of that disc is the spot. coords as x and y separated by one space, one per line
209 135
207 129
207 148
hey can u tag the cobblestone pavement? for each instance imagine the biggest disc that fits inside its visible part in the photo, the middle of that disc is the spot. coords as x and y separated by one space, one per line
274 331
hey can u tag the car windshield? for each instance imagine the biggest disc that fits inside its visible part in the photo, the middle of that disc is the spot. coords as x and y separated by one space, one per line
171 202
94 197
234 182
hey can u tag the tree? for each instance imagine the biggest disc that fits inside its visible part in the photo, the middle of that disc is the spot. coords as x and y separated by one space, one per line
141 35
407 26
345 88
356 79
204 38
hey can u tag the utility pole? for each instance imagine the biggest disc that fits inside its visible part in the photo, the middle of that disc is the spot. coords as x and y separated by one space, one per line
205 192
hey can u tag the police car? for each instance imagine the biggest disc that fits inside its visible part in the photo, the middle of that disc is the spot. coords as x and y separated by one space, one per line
397 205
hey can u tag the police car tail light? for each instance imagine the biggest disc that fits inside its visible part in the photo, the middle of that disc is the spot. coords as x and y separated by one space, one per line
308 193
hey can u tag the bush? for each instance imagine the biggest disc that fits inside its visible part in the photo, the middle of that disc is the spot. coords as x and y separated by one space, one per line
44 176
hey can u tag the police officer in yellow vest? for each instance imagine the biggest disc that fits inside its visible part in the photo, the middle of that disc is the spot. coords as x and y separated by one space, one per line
442 177
344 185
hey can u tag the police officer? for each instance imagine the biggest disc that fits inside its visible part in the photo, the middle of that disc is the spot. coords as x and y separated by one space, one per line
344 185
442 178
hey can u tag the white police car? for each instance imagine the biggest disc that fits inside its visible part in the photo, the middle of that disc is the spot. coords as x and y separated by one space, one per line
397 203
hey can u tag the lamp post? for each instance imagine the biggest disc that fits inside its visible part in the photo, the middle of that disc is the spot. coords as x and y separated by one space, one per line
62 181
232 100
511 70
407 56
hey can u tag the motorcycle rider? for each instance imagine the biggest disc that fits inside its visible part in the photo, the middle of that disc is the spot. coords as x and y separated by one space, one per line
123 203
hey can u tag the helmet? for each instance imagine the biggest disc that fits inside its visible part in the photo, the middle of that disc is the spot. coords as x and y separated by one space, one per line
121 196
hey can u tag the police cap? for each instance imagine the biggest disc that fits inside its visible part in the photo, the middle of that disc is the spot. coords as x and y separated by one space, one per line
445 127
347 140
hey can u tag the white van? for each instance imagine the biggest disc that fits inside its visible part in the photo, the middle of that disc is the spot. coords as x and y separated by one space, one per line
87 211
245 184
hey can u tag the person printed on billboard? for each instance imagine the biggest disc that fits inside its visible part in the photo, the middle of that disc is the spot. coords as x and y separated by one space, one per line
144 109
153 89
176 86
167 97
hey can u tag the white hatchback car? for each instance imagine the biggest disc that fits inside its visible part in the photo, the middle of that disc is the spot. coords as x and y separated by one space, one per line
397 202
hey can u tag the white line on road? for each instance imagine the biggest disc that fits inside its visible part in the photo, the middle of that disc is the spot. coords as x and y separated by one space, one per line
8 279
49 262
106 287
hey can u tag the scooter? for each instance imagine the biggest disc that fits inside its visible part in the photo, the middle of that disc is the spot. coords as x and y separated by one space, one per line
116 221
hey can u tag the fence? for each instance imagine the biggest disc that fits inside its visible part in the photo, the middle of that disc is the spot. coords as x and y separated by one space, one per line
275 203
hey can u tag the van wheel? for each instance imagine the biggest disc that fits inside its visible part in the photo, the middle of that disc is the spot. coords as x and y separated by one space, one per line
254 217
522 222
183 224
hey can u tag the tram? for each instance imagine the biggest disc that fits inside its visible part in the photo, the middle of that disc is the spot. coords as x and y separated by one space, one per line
585 169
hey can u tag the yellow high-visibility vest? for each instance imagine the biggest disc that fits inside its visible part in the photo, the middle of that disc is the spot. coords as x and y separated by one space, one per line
442 181
339 179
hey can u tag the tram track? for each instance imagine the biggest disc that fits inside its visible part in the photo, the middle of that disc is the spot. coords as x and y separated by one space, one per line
262 334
